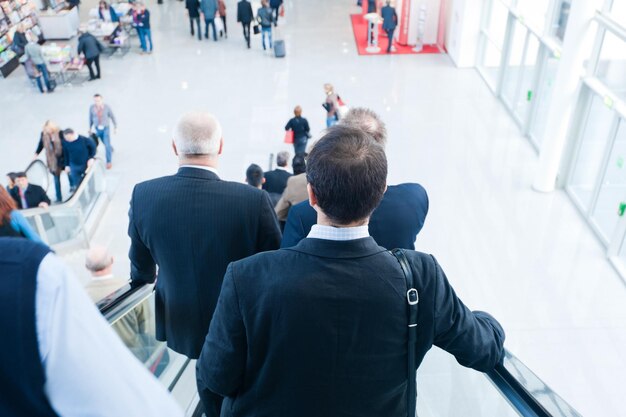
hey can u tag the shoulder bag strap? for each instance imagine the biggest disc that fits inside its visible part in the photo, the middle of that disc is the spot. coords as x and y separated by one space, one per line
412 298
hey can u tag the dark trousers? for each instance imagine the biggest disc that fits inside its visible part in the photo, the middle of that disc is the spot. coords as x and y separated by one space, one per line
211 22
246 32
90 61
197 20
224 23
57 187
276 12
46 77
299 145
390 36
76 176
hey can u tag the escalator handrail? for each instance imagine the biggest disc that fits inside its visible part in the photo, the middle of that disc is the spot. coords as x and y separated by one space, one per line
45 166
515 388
73 200
524 398
124 300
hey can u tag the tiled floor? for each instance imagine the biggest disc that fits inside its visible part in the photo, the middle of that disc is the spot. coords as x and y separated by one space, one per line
526 257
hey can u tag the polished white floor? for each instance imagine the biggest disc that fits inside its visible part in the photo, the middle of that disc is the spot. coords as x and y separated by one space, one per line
528 258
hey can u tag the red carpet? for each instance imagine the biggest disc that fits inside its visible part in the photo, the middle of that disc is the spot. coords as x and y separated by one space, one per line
359 27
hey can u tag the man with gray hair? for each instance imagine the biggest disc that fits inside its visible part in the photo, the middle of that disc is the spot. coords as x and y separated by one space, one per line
276 180
398 219
188 227
99 263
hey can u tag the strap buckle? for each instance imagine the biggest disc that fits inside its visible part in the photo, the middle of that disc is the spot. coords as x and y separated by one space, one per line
412 297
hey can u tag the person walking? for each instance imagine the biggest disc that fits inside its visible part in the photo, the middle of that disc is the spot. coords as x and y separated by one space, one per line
221 8
245 17
78 154
143 27
90 48
301 131
390 22
265 18
193 9
331 105
51 140
333 323
100 118
275 5
209 10
32 50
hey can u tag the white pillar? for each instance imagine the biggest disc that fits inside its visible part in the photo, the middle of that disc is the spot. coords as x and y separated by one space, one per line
462 31
577 45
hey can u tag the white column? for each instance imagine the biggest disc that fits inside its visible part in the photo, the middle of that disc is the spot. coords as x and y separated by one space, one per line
462 30
577 45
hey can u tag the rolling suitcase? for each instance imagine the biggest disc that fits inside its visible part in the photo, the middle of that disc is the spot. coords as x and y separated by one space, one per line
279 48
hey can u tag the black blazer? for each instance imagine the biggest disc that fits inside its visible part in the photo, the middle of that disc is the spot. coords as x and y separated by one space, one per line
34 195
394 224
244 12
320 329
192 225
276 181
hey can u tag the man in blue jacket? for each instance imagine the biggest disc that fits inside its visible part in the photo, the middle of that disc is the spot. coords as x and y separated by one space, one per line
398 219
320 329
390 22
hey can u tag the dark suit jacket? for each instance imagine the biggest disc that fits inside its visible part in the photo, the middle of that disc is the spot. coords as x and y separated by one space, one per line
34 195
394 224
276 181
390 18
192 225
320 329
244 12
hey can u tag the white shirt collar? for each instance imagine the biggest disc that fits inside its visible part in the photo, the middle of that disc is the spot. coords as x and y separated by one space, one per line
102 278
338 233
281 168
206 168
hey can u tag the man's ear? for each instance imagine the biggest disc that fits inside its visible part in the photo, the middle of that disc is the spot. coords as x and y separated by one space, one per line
174 147
221 146
263 182
312 197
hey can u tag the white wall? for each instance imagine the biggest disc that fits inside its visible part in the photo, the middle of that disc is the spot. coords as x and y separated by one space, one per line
462 30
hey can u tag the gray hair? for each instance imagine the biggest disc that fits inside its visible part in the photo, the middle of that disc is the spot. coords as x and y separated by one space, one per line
368 121
282 158
98 259
198 133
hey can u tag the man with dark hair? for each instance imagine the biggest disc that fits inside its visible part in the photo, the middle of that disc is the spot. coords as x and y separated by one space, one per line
401 214
78 154
276 180
254 176
245 17
295 191
28 195
325 323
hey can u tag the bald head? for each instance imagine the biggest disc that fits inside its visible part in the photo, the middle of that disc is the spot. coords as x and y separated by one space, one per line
368 121
99 261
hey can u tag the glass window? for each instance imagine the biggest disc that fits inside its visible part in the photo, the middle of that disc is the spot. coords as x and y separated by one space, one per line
611 67
514 64
496 23
592 147
544 93
525 95
561 16
612 196
618 11
533 12
490 66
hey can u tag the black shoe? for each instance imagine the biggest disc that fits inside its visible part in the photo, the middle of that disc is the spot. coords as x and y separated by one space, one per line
92 79
206 36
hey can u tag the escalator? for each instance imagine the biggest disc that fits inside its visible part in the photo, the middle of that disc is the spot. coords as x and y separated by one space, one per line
71 224
444 387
